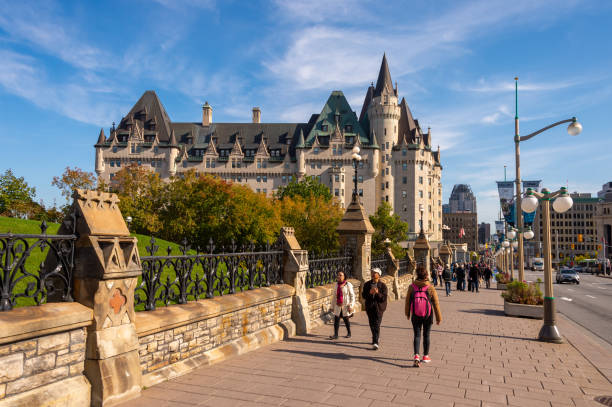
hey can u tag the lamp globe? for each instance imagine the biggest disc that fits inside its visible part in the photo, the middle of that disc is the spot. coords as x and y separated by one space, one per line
511 234
529 203
574 128
528 234
563 203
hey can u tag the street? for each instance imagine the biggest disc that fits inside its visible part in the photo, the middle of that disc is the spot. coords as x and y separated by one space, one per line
589 304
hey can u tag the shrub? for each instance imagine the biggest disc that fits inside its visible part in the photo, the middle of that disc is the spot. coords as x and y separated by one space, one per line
502 278
519 292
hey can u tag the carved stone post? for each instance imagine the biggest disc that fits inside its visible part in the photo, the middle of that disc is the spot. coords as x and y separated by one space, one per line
421 252
106 273
392 270
355 232
445 254
295 267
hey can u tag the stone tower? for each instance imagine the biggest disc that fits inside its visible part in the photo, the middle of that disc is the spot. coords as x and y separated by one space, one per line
172 153
384 114
100 154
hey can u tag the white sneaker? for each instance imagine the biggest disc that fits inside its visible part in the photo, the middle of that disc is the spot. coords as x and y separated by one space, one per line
375 346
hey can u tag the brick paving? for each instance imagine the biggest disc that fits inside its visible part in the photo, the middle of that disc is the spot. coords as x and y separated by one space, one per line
480 358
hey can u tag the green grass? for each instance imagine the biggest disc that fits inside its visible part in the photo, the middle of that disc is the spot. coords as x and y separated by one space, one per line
37 256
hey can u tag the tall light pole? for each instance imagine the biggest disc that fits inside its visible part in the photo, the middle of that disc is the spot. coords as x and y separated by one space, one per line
573 129
562 202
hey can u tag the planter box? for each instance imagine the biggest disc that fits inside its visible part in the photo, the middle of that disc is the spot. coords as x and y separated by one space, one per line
502 286
522 310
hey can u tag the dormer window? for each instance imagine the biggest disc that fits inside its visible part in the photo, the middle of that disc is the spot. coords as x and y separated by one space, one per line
348 128
324 127
189 140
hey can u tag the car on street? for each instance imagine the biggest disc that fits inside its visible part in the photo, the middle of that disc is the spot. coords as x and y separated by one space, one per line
568 276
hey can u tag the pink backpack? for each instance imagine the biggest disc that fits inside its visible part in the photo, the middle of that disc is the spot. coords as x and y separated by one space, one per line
420 303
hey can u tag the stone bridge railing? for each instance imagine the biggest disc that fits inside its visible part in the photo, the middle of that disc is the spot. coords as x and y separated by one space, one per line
86 344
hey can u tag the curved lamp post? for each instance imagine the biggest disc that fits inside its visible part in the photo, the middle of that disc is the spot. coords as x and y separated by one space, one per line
356 158
573 129
562 202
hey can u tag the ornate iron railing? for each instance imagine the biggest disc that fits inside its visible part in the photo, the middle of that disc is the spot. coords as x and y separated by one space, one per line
404 267
323 268
34 267
176 279
381 262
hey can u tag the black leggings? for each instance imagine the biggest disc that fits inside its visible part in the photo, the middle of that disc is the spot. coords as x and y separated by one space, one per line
423 324
347 323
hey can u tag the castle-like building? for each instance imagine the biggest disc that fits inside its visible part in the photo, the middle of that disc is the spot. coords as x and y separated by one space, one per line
398 163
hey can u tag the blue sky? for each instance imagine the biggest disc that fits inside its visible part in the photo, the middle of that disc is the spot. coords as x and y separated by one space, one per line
69 68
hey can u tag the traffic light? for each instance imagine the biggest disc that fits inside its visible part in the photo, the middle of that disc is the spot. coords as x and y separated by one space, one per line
573 246
580 237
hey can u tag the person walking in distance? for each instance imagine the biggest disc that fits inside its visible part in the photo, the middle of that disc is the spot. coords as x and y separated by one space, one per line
375 295
421 303
440 270
488 273
447 276
460 273
343 303
474 277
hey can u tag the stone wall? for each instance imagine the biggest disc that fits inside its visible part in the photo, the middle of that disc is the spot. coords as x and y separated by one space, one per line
403 283
319 302
42 354
175 339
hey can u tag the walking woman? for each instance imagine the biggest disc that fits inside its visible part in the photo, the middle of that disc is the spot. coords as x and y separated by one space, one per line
421 304
343 301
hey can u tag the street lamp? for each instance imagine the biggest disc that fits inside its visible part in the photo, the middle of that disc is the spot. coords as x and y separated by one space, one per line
563 202
505 243
356 158
528 234
573 129
129 222
511 234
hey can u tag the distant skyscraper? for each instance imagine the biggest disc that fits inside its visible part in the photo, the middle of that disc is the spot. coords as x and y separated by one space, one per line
462 199
484 233
606 192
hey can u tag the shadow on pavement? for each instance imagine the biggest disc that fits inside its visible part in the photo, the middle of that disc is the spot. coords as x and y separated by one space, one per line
495 312
534 339
344 356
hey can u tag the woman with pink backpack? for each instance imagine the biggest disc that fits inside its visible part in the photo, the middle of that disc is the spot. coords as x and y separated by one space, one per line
421 304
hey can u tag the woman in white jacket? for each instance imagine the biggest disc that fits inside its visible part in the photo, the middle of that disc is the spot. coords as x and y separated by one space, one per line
343 304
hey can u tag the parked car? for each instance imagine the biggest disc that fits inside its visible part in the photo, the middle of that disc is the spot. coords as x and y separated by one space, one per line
568 275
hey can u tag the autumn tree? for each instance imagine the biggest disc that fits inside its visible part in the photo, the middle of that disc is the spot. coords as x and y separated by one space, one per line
388 226
306 187
71 179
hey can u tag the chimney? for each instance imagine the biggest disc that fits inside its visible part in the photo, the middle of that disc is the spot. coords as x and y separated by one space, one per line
206 114
256 115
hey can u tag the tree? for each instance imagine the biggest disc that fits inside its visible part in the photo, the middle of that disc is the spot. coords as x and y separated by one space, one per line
16 196
307 187
141 195
314 219
71 179
388 226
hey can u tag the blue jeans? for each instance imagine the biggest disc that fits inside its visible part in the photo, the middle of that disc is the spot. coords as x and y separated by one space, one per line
447 285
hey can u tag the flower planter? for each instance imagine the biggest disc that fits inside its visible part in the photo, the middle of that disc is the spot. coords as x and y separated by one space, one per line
501 286
523 310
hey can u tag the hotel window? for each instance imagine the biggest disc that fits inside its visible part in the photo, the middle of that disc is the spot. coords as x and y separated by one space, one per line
404 166
259 178
404 180
404 194
421 180
404 152
114 149
112 163
324 127
429 181
421 166
337 177
405 209
334 150
184 164
429 194
312 166
361 192
387 198
319 165
284 179
387 184
315 150
265 178
348 128
382 186
156 149
387 143
265 190
337 192
385 135
258 190
387 171
319 178
420 193
112 176
360 164
360 179
133 148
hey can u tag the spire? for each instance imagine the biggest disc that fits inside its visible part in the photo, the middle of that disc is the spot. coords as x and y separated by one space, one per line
300 143
173 142
101 138
384 85
374 141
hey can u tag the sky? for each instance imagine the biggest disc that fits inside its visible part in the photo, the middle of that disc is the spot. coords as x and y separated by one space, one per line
68 68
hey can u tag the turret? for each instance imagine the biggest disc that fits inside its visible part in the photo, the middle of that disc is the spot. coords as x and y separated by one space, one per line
100 167
299 152
206 114
172 154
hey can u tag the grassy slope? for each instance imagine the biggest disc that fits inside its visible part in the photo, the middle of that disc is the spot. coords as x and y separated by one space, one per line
21 226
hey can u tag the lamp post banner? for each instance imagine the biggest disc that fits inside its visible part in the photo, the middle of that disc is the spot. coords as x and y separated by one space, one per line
506 194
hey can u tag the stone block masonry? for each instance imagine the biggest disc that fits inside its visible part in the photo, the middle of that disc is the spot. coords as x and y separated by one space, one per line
175 339
42 362
319 302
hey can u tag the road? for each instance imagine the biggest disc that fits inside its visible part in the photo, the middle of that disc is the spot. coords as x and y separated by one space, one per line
589 304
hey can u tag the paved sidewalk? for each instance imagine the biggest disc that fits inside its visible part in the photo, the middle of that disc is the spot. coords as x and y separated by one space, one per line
480 358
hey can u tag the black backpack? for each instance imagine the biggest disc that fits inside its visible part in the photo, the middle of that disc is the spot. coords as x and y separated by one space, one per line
446 274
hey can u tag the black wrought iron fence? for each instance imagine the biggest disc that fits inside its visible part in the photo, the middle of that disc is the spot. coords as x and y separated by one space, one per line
380 261
323 268
404 267
176 279
36 268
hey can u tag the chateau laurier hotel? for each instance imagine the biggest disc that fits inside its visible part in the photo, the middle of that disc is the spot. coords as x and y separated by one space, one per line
398 166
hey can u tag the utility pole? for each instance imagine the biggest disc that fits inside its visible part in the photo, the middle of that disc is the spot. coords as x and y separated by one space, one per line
557 249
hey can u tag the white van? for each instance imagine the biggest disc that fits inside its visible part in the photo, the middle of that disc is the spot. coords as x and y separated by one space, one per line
537 264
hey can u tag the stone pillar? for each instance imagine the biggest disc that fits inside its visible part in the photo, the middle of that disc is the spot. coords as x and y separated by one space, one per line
105 276
392 269
421 252
355 232
295 267
445 254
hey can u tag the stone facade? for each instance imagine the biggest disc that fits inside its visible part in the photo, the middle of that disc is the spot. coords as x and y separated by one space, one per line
399 165
319 302
403 283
